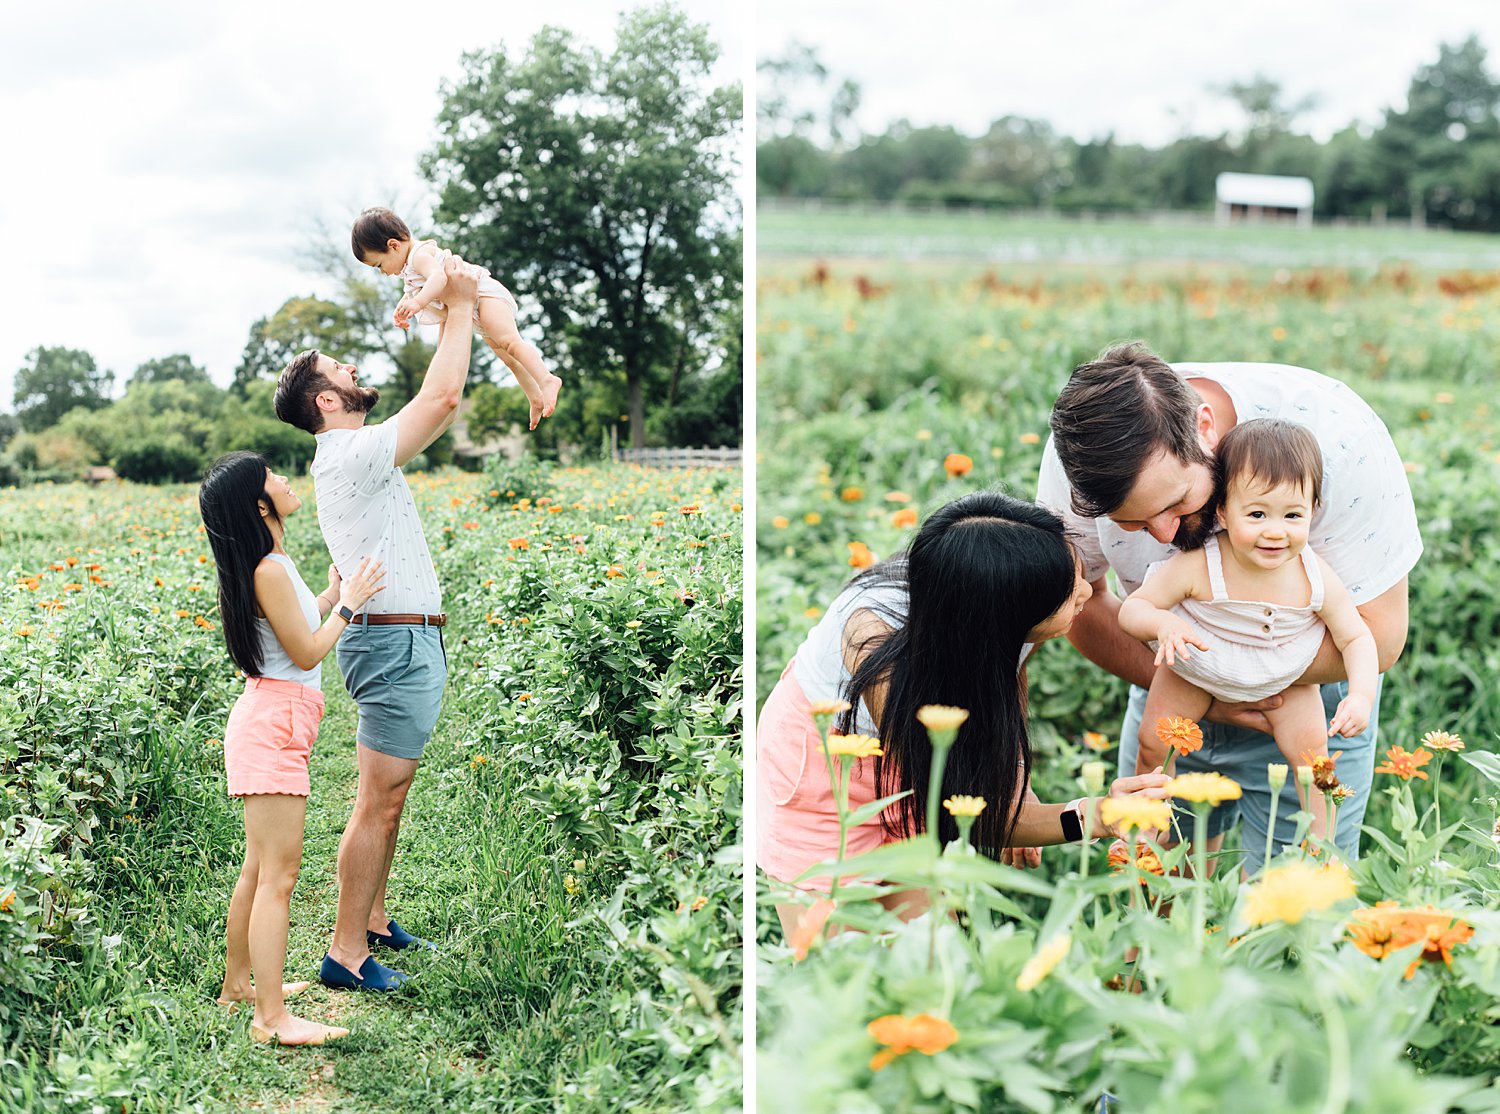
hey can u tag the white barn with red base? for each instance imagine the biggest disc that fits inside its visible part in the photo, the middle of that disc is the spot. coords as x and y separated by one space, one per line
1252 198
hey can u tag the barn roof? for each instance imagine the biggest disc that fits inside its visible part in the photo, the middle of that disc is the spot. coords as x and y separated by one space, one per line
1277 190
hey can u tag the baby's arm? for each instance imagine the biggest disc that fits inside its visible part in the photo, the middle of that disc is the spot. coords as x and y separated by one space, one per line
427 263
1146 613
1357 645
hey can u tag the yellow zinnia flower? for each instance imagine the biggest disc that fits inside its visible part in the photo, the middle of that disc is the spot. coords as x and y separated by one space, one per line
1136 813
1207 786
1040 965
964 806
941 717
1291 891
853 746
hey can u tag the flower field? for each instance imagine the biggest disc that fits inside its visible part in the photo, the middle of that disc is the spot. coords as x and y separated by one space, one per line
1112 980
570 842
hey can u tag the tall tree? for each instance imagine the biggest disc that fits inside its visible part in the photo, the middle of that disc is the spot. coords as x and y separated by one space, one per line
794 100
179 367
301 322
603 187
54 381
1440 150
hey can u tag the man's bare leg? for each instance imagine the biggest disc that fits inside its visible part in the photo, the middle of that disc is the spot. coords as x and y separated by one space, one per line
367 849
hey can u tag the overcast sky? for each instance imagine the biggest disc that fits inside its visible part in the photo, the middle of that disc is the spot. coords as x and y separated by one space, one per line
167 160
1140 70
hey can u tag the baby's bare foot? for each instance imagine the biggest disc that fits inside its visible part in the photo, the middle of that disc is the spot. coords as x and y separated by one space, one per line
550 386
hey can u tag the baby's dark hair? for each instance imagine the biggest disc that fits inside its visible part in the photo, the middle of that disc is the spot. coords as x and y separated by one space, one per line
1273 451
374 229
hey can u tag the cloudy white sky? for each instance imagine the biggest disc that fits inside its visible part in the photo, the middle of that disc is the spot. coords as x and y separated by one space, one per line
1140 70
168 160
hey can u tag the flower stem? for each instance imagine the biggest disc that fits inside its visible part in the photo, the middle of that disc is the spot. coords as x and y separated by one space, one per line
840 800
1200 870
935 787
941 741
1088 823
1437 791
1271 831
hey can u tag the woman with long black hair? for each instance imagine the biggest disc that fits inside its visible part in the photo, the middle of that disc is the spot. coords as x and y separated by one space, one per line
271 626
948 622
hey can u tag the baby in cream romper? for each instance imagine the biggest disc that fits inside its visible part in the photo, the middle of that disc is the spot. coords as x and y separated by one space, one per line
1244 617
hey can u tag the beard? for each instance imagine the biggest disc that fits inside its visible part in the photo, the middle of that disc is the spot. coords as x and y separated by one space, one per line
358 400
1195 529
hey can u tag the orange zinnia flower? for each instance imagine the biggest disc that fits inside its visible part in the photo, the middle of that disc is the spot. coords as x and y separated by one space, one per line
860 556
903 518
1405 766
519 543
809 928
922 1033
1387 927
957 464
1322 765
1179 732
1145 858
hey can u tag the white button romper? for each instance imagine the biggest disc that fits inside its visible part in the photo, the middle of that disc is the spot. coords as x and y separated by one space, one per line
1256 649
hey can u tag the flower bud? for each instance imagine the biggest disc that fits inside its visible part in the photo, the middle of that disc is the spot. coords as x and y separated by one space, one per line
1093 778
1276 775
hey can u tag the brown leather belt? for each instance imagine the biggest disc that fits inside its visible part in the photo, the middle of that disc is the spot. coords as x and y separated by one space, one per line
407 620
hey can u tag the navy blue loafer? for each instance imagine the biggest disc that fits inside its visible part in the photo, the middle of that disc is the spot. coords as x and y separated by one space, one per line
397 939
372 975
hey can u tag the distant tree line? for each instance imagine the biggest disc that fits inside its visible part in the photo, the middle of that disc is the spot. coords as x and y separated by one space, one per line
600 186
1437 159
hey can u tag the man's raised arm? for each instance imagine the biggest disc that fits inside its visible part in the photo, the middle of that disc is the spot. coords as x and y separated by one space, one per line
423 420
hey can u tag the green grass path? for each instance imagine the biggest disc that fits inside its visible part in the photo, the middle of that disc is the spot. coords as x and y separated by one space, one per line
436 1043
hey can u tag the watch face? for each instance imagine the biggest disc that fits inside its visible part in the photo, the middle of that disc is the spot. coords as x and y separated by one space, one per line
1072 826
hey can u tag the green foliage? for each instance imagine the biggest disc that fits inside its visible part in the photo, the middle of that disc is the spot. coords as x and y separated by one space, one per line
1434 157
866 382
54 381
575 853
612 175
159 458
248 421
179 368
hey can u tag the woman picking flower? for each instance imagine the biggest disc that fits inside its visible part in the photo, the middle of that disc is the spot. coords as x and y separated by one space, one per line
949 622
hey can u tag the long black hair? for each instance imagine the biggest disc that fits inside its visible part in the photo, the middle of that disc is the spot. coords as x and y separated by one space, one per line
982 571
229 502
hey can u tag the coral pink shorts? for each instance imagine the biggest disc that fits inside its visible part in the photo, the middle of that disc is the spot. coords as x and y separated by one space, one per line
796 812
269 736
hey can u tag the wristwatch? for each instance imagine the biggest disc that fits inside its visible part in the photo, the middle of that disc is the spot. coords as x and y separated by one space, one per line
345 614
1072 820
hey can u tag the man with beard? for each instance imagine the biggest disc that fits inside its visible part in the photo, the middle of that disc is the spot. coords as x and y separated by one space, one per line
391 655
1129 466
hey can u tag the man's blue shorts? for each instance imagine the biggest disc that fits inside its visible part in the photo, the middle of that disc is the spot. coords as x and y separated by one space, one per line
396 674
1242 754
